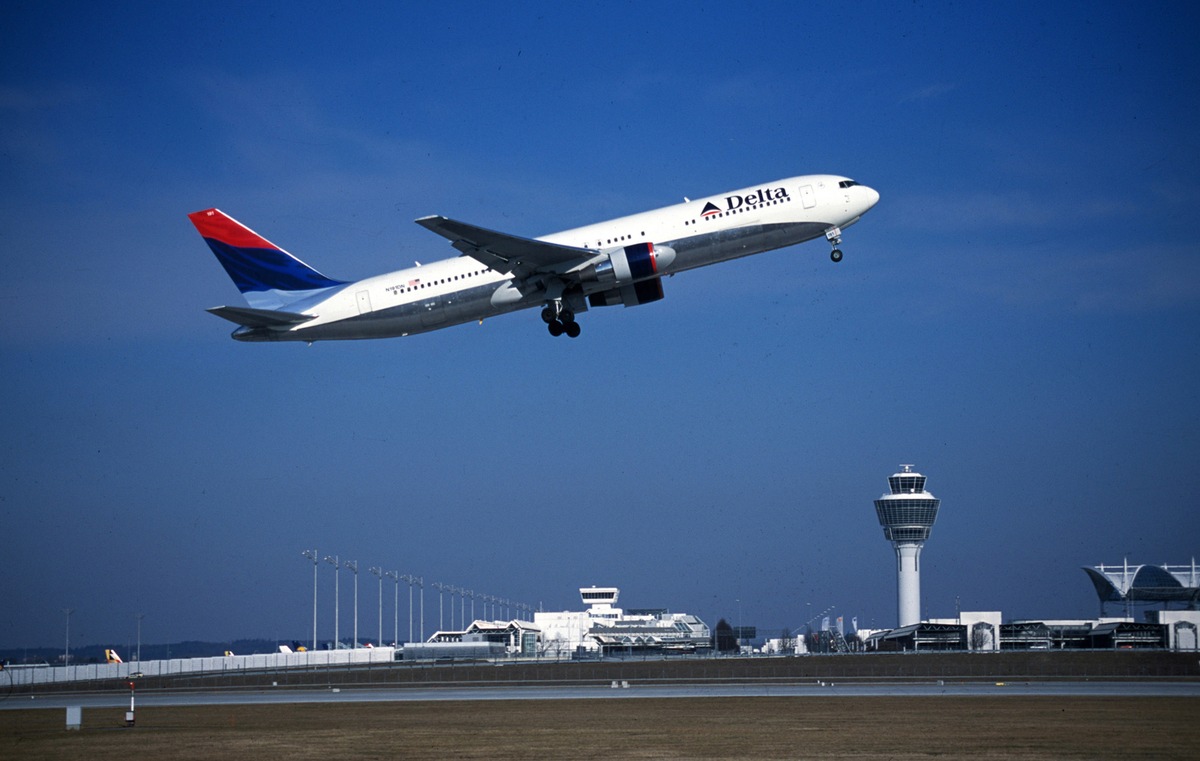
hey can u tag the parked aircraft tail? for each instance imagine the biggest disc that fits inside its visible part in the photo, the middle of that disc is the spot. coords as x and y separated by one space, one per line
267 276
111 656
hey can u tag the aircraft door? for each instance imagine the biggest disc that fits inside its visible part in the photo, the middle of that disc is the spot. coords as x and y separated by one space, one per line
364 302
807 196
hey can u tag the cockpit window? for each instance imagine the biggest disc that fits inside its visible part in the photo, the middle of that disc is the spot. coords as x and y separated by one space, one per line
847 184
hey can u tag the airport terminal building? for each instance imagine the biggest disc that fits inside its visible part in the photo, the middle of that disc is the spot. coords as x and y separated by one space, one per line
604 629
1127 585
600 629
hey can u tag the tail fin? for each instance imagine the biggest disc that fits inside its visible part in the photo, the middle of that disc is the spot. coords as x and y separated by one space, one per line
267 276
111 656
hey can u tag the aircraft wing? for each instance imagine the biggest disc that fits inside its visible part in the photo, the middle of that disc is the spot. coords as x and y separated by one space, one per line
506 253
259 318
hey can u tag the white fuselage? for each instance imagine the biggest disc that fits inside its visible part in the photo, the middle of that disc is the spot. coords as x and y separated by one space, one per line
462 289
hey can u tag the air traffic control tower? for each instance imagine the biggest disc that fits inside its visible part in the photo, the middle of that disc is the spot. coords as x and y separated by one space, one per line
907 514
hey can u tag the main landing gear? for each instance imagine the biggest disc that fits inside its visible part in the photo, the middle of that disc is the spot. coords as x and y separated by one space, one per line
560 320
834 236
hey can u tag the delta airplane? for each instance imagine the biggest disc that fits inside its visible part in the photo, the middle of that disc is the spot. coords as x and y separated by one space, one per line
621 261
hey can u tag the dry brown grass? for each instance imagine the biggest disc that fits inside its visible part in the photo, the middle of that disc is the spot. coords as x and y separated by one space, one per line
694 728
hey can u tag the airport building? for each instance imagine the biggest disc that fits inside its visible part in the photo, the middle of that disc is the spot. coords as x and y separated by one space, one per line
482 639
604 629
600 629
1125 584
1131 585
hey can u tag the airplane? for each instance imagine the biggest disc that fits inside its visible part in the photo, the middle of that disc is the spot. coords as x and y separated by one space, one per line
110 656
621 261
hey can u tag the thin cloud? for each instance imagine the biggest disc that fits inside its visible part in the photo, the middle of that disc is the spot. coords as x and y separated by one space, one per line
929 92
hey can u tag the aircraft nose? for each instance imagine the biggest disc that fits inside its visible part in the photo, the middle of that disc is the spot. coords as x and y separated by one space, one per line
871 196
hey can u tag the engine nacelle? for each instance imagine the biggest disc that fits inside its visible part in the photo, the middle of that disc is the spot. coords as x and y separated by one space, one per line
630 295
629 265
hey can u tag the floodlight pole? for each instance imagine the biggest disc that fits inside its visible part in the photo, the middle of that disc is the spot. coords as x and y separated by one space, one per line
353 566
421 586
440 588
395 577
67 652
409 579
739 626
337 597
378 573
139 617
312 555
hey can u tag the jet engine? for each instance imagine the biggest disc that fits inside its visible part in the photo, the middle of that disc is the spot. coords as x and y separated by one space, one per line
642 292
629 264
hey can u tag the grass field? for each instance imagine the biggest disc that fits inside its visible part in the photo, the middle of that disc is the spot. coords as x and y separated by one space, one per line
634 728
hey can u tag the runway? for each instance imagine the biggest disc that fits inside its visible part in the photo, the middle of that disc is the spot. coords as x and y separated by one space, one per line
279 696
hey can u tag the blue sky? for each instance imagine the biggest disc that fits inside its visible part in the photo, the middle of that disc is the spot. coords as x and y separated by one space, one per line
1019 316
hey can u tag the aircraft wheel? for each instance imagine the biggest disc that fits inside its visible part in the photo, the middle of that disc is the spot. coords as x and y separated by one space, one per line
556 328
567 317
548 315
572 329
836 254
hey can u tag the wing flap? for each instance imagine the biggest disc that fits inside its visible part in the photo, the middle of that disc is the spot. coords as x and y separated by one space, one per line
260 318
503 252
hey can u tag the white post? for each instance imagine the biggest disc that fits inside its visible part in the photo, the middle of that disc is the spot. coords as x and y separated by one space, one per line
139 617
379 573
395 577
312 555
67 652
353 566
337 596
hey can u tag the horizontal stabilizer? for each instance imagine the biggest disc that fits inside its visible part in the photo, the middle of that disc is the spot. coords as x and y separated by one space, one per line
503 252
260 318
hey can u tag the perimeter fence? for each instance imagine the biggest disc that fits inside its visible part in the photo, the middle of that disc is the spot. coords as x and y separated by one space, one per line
875 667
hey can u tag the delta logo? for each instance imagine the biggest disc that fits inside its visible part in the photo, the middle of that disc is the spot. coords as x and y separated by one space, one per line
753 198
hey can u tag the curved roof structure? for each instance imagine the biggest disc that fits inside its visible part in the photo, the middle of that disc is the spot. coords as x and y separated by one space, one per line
1147 583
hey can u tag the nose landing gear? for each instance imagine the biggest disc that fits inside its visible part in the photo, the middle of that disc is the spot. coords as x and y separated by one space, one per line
834 236
560 320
